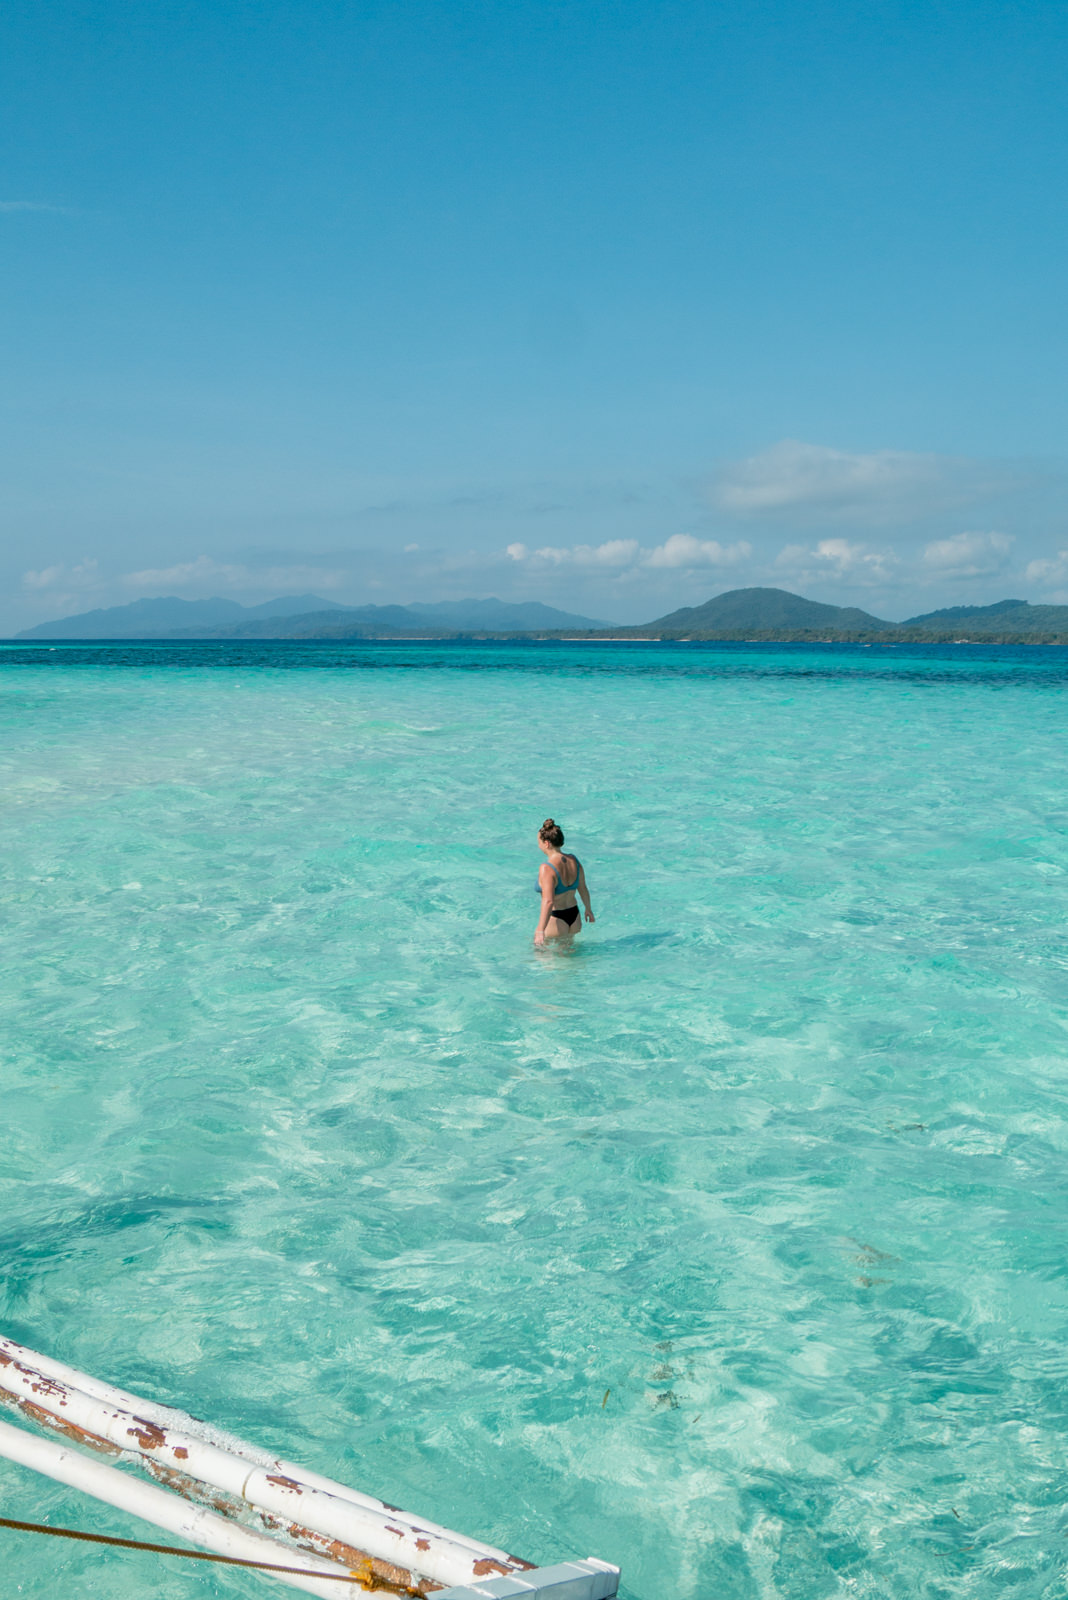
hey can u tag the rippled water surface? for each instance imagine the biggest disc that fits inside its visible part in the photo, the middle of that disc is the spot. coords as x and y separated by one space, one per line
729 1245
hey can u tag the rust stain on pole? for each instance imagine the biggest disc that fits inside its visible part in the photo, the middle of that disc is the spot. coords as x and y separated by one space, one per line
385 1574
69 1430
234 1483
149 1435
285 1483
193 1489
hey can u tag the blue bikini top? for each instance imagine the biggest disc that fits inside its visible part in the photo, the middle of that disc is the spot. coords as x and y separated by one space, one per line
561 886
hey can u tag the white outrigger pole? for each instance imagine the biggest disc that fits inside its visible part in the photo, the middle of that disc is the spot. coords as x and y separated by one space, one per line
250 1505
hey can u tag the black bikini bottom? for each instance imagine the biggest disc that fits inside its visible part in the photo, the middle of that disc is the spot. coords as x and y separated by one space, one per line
569 915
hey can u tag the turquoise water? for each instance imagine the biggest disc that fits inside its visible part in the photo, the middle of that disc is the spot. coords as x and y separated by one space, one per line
729 1245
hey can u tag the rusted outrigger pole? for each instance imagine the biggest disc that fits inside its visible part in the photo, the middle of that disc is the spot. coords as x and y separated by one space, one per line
237 1500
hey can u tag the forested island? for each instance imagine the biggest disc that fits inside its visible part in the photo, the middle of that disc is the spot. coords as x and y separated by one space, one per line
756 615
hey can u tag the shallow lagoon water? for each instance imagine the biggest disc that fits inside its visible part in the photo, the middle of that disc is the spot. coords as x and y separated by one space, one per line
730 1245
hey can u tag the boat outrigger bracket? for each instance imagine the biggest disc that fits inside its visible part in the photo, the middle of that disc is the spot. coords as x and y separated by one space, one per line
238 1500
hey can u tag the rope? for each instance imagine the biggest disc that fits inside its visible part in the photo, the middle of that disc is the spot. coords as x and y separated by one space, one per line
173 1550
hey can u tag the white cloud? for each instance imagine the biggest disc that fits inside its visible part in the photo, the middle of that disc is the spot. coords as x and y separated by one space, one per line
204 572
793 477
839 558
83 576
613 553
1049 569
70 588
683 550
63 588
47 578
968 555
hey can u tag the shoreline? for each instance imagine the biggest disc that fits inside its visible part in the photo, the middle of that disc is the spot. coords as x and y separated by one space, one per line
1012 641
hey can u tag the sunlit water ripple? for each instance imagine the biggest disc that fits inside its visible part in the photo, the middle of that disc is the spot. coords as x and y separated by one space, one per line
730 1245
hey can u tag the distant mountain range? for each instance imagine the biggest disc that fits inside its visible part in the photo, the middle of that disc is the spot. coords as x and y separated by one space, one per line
740 611
437 619
760 614
1005 616
775 614
165 617
305 616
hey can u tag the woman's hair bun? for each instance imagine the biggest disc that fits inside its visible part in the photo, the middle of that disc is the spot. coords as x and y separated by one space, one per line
552 833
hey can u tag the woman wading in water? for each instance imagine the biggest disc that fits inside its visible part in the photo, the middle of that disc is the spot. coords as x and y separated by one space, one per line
559 878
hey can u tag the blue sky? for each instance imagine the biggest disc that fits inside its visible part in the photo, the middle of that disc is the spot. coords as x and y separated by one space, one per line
610 305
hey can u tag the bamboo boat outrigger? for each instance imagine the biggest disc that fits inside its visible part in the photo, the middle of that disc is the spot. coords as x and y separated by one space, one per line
246 1504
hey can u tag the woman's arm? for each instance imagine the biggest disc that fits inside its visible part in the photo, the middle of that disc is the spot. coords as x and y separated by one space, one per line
584 894
547 879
